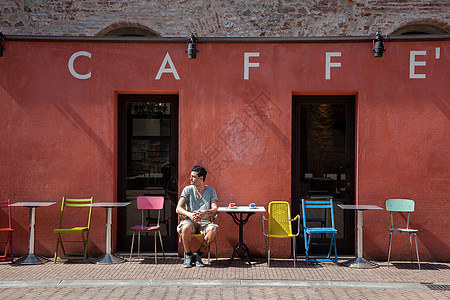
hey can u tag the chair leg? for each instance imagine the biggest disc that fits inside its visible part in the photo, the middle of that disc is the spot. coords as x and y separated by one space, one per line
293 250
8 242
335 250
139 244
265 245
5 253
209 250
85 244
410 248
209 253
155 249
417 250
132 244
11 247
56 251
162 246
215 246
389 249
307 245
268 254
331 247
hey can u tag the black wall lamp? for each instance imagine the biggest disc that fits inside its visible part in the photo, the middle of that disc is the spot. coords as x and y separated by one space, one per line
378 45
2 43
192 47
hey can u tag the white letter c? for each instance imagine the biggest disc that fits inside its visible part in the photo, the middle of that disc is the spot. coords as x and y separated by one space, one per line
72 70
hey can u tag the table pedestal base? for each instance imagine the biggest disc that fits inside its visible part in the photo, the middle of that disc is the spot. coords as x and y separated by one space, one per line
244 248
240 220
31 259
109 259
360 263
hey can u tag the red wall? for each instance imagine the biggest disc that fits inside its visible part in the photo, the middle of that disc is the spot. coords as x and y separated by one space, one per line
59 133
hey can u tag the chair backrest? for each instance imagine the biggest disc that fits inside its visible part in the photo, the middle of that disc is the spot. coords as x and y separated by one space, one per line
317 204
5 204
84 203
150 202
279 219
400 205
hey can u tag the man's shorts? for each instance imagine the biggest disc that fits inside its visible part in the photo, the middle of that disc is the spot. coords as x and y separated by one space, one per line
199 227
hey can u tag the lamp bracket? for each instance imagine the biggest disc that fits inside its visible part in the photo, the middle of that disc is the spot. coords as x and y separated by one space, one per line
2 43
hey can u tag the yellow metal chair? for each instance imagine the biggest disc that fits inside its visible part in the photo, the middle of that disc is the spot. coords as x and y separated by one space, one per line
213 220
69 214
280 225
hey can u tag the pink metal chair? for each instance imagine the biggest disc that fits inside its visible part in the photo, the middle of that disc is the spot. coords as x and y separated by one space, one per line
7 229
151 203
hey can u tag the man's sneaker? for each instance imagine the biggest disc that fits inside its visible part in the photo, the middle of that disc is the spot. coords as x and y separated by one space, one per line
198 260
188 261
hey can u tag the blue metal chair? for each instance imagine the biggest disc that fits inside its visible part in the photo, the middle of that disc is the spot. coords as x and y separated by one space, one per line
309 231
401 205
317 219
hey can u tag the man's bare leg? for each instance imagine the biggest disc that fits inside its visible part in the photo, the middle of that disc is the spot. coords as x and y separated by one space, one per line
186 236
211 232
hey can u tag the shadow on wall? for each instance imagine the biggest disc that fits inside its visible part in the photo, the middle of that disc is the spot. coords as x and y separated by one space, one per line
443 105
242 131
265 110
71 115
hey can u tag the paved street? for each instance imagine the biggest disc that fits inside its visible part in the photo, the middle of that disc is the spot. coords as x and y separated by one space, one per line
142 279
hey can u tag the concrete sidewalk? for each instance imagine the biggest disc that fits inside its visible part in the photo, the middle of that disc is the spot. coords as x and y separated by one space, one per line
168 280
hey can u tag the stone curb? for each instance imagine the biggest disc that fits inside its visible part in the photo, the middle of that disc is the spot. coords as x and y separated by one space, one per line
201 282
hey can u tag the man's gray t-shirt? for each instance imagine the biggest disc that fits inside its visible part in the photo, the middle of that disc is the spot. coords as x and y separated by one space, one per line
195 203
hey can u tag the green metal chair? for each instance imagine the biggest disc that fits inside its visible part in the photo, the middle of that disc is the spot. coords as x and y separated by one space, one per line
72 209
309 231
280 225
401 206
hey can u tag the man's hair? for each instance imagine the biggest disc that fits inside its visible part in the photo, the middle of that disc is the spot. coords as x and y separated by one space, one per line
200 171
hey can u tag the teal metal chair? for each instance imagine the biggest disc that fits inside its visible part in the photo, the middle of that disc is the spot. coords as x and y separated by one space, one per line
309 231
401 206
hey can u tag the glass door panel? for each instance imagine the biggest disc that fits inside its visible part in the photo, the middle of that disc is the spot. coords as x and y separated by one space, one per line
323 160
148 148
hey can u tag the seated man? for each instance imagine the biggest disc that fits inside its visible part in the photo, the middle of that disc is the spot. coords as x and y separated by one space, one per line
198 204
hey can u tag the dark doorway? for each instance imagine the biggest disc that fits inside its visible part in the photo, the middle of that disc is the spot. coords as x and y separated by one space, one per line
147 165
323 159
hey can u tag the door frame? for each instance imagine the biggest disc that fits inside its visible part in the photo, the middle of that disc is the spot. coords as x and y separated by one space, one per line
346 245
124 242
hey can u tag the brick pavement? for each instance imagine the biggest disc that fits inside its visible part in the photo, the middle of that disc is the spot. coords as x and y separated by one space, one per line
175 285
167 293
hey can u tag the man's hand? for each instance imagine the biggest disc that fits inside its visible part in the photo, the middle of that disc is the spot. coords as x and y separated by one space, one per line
197 215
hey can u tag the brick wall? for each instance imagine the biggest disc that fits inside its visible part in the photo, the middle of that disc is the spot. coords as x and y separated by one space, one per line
288 18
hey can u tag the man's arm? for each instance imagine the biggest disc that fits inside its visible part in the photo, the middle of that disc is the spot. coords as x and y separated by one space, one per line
181 208
210 212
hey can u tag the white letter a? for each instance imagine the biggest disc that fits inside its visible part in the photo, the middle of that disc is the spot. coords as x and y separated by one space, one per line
163 69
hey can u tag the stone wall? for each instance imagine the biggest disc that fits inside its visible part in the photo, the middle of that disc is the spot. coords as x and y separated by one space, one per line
232 18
